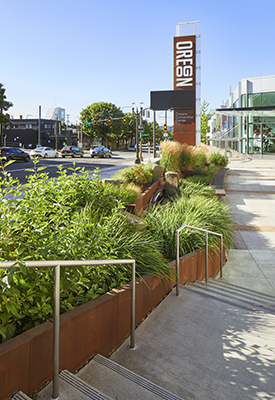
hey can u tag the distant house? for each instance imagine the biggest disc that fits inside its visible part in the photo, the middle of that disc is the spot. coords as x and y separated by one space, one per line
24 133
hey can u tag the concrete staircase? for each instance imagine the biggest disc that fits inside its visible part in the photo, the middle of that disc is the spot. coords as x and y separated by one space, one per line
103 379
232 294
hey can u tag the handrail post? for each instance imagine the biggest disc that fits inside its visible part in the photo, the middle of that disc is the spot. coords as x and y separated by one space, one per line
56 321
206 257
133 302
221 256
177 262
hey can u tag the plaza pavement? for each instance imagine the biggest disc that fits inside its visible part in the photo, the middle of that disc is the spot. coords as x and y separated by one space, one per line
250 195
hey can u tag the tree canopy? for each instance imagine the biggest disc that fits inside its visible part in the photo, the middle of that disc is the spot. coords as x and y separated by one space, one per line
4 105
205 117
102 111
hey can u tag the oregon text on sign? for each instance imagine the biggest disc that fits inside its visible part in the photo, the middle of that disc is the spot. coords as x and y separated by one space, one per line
184 63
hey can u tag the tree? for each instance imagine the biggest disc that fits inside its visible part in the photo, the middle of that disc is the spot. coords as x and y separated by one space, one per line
4 106
159 132
103 130
205 117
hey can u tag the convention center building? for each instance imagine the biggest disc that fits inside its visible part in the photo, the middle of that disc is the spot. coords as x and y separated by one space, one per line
246 122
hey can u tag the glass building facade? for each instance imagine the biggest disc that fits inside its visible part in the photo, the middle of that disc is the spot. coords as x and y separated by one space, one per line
246 122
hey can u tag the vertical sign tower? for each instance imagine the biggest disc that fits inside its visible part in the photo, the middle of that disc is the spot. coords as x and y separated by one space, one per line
187 76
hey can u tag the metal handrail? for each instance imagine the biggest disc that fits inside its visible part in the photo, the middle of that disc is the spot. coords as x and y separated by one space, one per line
206 252
56 317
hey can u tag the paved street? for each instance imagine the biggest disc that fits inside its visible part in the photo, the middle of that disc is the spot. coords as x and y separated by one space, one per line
118 160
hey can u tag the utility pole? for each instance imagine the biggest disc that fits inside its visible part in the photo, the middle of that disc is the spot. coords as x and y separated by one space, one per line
154 135
39 126
140 153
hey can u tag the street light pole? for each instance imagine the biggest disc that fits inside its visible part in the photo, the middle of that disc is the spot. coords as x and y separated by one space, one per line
140 153
136 113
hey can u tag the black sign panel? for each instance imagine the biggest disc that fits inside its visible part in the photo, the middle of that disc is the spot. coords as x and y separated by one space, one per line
173 99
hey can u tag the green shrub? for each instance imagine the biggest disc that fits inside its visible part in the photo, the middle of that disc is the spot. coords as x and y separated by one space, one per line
67 218
127 194
138 175
185 160
219 159
202 175
205 212
201 157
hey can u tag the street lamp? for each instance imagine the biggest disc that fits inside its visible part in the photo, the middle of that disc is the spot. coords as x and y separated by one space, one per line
137 114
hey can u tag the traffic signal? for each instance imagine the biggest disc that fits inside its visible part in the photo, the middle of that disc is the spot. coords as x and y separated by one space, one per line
109 121
165 127
125 120
95 121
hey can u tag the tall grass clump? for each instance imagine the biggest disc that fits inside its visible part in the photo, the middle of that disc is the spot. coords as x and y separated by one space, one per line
201 211
176 156
188 157
201 157
170 152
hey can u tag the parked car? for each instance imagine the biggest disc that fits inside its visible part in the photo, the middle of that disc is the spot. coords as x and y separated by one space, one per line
100 151
14 153
44 152
71 151
132 147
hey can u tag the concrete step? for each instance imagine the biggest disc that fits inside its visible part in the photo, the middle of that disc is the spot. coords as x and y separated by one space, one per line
20 396
120 383
72 387
229 286
235 295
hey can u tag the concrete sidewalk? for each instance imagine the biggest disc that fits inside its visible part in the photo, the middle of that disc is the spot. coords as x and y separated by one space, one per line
250 195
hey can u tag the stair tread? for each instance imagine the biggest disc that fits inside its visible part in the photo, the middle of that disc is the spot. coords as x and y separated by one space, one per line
224 283
230 299
71 387
220 288
116 380
20 396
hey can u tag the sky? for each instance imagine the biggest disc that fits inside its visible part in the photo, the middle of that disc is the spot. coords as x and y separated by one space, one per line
71 54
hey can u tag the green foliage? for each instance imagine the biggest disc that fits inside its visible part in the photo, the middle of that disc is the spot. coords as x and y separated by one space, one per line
218 159
4 106
202 175
102 111
138 175
205 117
127 194
169 161
67 218
187 159
198 207
201 157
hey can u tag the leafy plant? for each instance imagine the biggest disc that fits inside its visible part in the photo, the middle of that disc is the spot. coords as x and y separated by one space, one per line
138 175
219 159
71 217
201 157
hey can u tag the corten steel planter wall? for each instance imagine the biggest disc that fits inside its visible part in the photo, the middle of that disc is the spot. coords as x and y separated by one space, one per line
95 327
141 203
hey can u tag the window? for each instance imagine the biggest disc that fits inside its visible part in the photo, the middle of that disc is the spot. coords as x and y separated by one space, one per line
268 99
255 100
244 101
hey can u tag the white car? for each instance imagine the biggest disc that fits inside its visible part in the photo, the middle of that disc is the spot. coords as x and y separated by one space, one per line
44 152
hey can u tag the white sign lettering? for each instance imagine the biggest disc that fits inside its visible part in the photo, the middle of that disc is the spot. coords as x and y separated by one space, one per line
184 63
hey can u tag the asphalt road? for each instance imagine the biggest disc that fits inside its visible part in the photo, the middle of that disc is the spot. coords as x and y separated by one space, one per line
118 159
